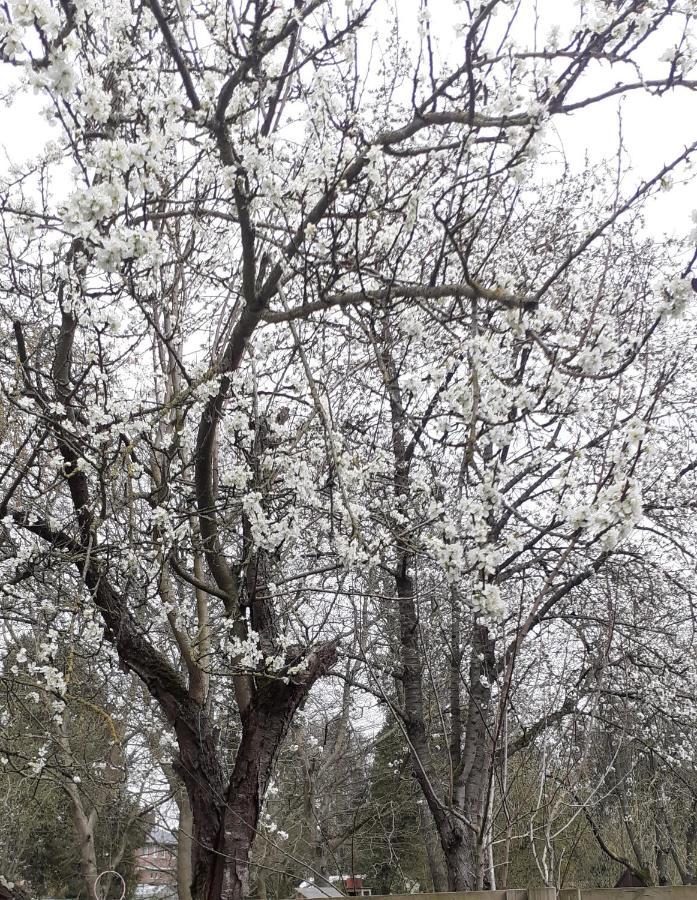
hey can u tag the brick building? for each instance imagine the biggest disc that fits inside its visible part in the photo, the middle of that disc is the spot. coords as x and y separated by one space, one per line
156 861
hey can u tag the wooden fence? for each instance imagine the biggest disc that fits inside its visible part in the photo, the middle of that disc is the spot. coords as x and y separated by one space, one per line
677 892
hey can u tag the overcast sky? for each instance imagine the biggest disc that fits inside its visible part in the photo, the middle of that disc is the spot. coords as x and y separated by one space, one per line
655 130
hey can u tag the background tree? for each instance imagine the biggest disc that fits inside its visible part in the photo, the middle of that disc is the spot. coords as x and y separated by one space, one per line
71 810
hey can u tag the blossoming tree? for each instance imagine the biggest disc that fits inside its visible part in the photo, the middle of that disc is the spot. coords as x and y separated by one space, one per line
300 331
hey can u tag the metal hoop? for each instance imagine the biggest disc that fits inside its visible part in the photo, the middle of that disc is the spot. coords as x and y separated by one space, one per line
118 875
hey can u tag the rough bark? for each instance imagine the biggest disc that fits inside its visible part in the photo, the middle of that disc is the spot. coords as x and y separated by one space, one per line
15 892
461 856
264 726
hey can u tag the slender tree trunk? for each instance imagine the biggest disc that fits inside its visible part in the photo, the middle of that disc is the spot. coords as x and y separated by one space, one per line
84 823
472 782
662 852
88 857
458 820
691 845
502 881
184 848
434 851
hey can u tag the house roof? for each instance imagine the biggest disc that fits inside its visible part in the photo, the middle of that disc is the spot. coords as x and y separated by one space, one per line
160 836
316 892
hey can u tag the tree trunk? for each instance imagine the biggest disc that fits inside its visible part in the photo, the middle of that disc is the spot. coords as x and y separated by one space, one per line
16 892
184 848
199 768
224 820
461 855
469 783
88 857
264 725
83 822
434 852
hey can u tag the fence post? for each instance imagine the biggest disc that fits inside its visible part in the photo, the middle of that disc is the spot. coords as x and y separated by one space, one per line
569 894
542 893
516 894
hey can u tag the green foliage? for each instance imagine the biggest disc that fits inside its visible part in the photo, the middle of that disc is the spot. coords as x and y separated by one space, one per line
395 855
48 761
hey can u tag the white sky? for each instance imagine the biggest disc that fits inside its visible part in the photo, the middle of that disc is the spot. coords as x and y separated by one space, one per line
654 129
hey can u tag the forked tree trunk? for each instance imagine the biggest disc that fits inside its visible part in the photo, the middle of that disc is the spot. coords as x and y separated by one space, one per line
226 820
461 857
225 813
262 733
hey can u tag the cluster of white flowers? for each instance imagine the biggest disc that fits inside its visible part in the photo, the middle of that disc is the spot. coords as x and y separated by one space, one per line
95 102
272 828
28 12
91 636
266 532
595 15
490 601
48 648
675 295
118 155
617 509
448 554
123 244
88 206
38 764
236 475
245 654
352 553
54 679
61 75
589 360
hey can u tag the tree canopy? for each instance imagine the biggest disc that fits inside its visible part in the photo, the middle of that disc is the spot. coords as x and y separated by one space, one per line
325 373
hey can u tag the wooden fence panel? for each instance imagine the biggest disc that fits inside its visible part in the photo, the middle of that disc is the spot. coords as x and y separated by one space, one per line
674 892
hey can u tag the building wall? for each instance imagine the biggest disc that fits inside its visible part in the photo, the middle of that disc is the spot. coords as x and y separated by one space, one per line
155 865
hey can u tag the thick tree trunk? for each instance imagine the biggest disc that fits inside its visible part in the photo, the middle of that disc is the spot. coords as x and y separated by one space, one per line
462 865
264 725
199 768
460 851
